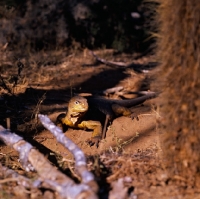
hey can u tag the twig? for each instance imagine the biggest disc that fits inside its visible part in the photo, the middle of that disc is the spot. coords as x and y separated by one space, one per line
112 90
11 175
8 123
72 171
109 63
137 67
16 78
50 176
120 88
80 160
20 66
37 108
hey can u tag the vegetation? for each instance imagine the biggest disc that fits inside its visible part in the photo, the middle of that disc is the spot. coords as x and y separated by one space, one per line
92 24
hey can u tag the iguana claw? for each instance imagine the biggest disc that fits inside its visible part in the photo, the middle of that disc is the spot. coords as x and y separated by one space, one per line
94 141
133 116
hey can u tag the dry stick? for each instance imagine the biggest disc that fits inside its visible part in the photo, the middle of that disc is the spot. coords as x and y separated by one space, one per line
50 176
80 160
10 175
113 90
37 108
105 127
120 88
8 123
110 63
117 64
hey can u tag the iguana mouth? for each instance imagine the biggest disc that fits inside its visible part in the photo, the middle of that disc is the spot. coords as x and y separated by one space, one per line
79 110
82 110
77 114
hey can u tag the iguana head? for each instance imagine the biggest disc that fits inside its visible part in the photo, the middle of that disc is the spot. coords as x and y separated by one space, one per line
78 106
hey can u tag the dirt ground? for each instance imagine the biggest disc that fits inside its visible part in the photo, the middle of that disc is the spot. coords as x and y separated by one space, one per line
128 160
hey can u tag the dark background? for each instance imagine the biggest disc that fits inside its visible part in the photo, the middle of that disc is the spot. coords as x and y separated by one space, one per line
120 24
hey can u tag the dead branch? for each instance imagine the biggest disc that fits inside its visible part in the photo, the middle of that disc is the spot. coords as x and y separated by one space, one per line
37 108
134 64
120 88
10 175
49 175
109 63
80 160
113 90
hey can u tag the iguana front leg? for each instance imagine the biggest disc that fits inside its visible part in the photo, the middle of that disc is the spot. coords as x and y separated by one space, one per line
97 131
96 126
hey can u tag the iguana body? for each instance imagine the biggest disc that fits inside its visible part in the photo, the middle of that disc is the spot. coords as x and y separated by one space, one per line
78 107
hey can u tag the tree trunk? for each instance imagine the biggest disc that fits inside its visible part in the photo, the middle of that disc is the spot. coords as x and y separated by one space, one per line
178 76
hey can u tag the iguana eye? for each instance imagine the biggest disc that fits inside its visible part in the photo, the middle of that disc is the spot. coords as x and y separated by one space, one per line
76 102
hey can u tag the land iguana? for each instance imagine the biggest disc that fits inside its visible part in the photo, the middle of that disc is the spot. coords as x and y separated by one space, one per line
78 106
